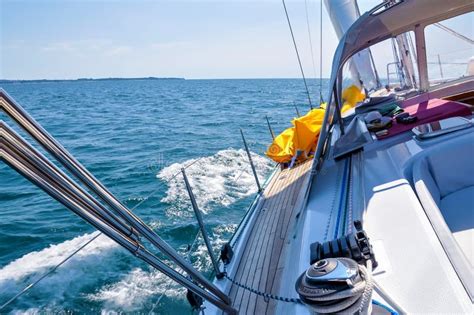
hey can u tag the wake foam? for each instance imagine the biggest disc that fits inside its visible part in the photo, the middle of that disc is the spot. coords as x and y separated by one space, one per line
141 287
217 180
221 179
67 280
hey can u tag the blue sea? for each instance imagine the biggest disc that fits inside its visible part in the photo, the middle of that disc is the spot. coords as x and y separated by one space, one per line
134 136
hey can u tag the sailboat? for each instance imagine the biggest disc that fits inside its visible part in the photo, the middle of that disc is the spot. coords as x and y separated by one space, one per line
397 201
376 217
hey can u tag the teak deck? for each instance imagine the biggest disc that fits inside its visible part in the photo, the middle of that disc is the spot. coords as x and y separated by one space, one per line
263 258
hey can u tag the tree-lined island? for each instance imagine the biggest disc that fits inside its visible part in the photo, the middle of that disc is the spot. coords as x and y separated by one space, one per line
85 79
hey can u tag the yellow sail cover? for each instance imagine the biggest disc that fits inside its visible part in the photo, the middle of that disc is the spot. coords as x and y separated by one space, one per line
307 129
301 139
281 150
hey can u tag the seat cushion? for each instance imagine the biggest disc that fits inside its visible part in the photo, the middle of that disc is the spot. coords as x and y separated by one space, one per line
458 212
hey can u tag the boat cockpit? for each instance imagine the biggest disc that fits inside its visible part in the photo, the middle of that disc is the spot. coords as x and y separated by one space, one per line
409 144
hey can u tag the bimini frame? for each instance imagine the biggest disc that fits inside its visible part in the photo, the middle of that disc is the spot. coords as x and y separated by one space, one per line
386 20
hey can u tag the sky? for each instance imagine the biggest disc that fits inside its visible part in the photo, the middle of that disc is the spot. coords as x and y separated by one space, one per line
64 39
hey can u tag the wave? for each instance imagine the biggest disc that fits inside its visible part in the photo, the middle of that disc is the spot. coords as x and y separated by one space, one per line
67 280
141 288
219 179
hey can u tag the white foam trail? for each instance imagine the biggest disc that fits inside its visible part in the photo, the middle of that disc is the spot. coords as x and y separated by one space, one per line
137 288
69 279
140 287
222 178
30 311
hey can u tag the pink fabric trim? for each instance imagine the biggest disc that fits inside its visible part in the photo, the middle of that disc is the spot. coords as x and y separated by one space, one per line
428 111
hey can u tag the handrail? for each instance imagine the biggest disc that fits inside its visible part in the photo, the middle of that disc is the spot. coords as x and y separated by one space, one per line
59 185
251 162
198 214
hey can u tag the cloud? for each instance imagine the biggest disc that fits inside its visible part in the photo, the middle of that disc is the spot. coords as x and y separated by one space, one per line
58 46
87 45
171 45
117 51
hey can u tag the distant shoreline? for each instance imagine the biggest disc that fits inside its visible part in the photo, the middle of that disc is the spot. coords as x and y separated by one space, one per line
144 78
86 79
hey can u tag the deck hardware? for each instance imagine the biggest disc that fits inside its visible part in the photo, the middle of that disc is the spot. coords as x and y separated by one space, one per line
355 245
226 253
251 162
270 128
198 214
194 300
336 285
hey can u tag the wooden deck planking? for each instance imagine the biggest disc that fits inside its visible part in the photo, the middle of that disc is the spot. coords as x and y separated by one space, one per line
298 199
236 292
260 262
281 238
265 258
276 240
268 216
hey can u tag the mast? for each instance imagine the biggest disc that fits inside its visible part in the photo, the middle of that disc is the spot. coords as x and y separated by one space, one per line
343 14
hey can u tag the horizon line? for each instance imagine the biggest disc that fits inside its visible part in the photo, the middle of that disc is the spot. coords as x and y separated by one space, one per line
153 78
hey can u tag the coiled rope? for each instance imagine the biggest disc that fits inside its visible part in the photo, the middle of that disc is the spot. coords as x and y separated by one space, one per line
356 299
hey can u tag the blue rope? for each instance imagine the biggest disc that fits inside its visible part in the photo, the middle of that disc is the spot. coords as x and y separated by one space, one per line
388 309
341 198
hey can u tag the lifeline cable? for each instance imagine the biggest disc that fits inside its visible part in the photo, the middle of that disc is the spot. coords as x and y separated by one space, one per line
297 54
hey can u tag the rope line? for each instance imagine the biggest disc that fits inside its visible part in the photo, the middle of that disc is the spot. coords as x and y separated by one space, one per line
260 293
309 36
297 54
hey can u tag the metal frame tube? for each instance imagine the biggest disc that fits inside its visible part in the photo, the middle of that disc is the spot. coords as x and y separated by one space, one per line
198 214
296 108
58 176
251 161
270 127
17 113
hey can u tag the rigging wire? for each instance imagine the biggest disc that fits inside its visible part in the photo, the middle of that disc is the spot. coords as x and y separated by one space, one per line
454 33
321 99
297 54
50 271
31 285
309 37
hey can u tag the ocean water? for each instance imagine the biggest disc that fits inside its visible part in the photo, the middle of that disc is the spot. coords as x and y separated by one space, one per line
134 136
